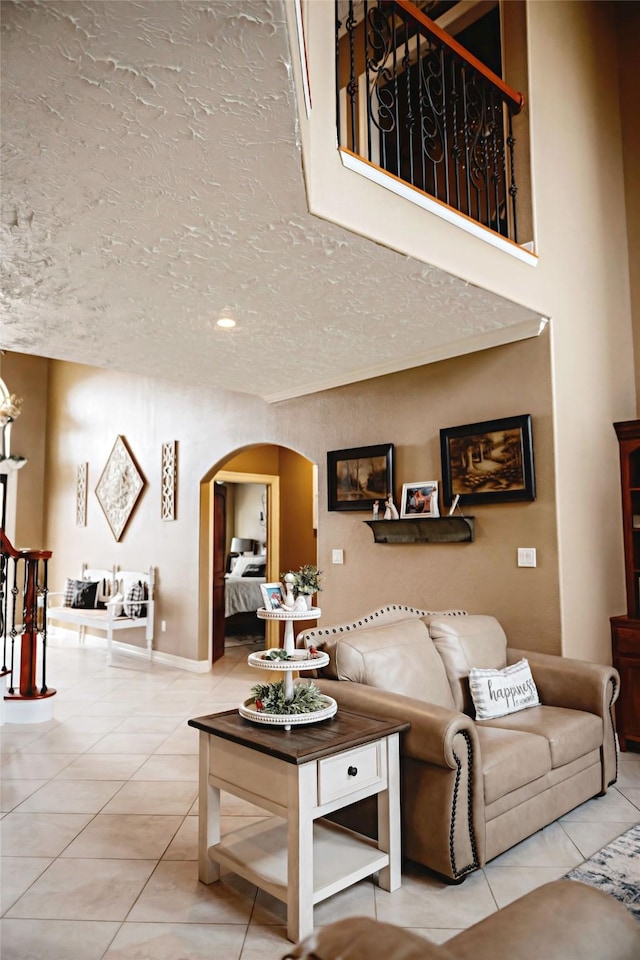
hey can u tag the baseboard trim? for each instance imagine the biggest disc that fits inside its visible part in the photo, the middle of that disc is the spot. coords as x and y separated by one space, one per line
182 663
157 656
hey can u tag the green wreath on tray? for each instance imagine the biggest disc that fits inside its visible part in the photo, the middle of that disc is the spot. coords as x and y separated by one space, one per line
270 698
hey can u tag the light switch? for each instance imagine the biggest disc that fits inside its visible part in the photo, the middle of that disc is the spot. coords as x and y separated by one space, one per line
337 556
527 557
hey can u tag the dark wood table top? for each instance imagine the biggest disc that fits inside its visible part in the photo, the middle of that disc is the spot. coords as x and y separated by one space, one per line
302 743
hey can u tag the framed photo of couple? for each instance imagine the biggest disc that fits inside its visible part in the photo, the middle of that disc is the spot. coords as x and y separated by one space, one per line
272 595
419 499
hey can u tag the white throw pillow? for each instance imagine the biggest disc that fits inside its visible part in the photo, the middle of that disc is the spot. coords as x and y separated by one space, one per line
496 693
115 604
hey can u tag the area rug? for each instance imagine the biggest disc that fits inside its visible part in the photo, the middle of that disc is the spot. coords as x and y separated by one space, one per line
616 870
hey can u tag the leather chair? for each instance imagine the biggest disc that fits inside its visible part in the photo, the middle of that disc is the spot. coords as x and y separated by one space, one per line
563 920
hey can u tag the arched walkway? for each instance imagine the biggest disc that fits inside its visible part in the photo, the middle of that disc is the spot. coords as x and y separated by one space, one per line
290 480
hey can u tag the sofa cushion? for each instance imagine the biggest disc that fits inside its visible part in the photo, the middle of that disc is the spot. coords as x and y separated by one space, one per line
510 759
496 693
398 657
466 642
570 733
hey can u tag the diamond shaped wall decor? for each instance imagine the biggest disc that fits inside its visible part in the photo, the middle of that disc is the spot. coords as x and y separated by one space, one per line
119 487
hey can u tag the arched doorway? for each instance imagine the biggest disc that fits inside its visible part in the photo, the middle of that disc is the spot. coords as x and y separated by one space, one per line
289 482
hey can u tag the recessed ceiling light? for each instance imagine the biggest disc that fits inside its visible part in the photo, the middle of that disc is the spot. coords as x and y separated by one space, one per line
226 323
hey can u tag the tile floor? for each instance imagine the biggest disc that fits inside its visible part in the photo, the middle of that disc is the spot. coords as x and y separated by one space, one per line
99 823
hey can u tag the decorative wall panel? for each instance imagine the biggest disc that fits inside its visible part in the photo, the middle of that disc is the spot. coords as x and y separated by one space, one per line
169 476
119 487
81 494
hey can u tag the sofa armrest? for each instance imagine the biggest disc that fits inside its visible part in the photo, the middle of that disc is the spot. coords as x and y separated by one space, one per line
576 684
433 728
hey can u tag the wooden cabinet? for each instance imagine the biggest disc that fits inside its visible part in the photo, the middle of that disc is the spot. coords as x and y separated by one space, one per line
625 631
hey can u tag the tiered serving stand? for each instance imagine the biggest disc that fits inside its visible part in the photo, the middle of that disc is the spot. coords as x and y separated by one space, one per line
299 660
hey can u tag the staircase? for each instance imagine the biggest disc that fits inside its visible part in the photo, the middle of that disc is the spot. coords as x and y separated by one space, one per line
23 634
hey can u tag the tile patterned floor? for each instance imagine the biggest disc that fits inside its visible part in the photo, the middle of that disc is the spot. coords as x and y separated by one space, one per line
98 825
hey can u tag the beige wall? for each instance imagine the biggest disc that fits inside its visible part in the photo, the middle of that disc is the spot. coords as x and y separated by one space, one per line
297 538
27 378
628 23
248 502
581 280
89 407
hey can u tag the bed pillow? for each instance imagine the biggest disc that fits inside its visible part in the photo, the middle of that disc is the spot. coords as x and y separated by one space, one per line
497 693
256 569
242 563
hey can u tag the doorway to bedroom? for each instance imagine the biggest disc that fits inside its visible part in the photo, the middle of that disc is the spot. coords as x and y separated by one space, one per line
242 548
258 518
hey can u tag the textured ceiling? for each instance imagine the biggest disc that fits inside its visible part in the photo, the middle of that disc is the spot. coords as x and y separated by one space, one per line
152 179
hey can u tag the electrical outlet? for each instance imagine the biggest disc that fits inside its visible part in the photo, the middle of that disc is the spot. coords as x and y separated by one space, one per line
337 556
163 626
527 557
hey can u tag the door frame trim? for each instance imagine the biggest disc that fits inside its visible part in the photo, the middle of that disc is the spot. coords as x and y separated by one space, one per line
272 484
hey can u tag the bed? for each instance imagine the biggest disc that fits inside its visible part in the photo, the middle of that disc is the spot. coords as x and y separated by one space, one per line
242 586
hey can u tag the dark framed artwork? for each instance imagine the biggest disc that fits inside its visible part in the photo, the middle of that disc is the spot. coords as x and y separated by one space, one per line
488 462
358 476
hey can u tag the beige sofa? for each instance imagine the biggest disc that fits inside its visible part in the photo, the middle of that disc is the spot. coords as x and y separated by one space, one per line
471 789
563 920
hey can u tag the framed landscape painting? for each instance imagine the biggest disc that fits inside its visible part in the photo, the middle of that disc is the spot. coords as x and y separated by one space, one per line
358 476
488 462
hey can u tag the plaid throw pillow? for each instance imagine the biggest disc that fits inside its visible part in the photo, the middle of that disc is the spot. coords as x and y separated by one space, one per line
132 605
69 590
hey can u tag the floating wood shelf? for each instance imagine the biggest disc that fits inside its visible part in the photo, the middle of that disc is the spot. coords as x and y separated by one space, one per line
427 530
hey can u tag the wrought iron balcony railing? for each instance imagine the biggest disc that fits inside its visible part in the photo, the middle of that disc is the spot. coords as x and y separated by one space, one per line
413 101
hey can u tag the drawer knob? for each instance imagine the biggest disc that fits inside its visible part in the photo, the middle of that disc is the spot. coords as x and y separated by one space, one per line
353 771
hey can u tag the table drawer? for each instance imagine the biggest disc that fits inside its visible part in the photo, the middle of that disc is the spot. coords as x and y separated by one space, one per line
349 772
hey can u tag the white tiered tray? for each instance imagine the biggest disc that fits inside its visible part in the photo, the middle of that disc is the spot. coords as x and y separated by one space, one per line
312 613
299 660
249 711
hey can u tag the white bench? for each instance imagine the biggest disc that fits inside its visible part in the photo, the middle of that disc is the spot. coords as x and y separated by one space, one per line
110 620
